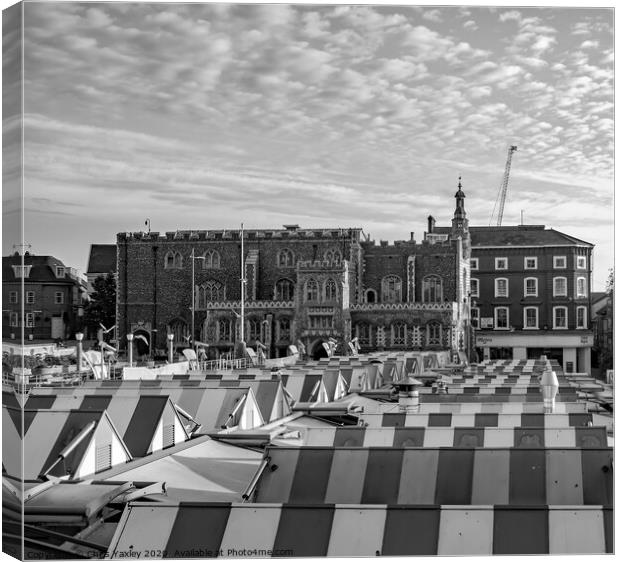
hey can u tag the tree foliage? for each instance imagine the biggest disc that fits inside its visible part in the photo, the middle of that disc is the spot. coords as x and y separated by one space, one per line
609 285
102 306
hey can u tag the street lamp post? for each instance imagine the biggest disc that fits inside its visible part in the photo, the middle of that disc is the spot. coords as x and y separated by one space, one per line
194 258
170 348
79 337
130 348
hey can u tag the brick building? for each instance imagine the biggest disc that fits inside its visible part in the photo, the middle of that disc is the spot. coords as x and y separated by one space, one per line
530 293
52 298
602 320
301 284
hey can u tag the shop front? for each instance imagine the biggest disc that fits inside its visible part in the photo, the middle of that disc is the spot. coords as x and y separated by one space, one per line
571 349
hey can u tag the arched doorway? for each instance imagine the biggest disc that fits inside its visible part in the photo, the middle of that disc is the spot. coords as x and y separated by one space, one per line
142 343
318 351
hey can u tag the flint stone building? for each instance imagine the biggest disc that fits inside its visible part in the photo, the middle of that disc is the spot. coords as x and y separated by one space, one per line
305 285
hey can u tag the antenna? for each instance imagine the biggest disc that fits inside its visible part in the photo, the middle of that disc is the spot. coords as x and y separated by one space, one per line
22 248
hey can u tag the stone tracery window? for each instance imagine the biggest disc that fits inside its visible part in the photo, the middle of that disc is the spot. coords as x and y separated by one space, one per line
312 290
211 291
173 260
333 256
286 258
432 289
331 290
391 289
284 290
212 260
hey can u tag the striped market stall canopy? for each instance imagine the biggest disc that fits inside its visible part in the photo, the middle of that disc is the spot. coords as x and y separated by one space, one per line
437 436
482 419
212 407
146 423
207 530
60 443
564 392
512 476
516 406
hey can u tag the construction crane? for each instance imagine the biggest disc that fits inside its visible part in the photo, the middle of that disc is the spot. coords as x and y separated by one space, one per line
501 196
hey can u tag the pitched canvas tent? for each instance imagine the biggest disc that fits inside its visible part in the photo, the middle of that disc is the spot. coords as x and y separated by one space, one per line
146 423
213 408
62 443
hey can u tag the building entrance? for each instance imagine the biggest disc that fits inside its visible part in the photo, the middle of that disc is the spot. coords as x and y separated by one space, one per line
500 353
318 350
556 353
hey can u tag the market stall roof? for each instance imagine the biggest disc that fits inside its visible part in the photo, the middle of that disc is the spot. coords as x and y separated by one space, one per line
454 476
200 469
247 530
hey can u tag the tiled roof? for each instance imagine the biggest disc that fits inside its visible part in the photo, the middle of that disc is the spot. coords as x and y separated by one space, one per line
521 235
102 258
43 269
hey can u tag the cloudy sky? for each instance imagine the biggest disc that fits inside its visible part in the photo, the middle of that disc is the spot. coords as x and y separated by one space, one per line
202 116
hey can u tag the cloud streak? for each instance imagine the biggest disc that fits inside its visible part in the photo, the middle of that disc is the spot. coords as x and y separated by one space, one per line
331 112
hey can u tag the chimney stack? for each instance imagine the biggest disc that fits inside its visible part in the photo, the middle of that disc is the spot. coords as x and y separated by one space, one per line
431 224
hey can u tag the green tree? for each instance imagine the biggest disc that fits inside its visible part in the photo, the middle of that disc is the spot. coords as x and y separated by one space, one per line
102 306
609 285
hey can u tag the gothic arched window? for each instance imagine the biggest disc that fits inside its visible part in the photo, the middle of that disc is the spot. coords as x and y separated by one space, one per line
284 290
312 290
284 329
286 258
399 333
433 333
331 290
224 329
212 260
431 289
391 289
332 256
173 260
211 291
363 333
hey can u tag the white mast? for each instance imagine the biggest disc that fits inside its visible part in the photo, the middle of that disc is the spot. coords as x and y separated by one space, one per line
242 320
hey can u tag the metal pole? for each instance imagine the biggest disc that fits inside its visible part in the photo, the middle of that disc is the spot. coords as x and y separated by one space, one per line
170 348
79 336
102 360
193 302
242 329
130 348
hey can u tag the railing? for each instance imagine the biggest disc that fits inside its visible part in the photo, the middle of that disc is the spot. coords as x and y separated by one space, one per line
224 364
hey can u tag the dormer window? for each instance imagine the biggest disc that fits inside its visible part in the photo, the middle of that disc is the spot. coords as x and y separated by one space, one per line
60 271
21 271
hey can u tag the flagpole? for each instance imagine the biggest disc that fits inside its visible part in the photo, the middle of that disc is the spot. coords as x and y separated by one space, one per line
242 328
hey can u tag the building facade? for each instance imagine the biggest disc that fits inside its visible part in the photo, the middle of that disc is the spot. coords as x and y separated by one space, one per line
530 293
602 319
52 298
301 285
